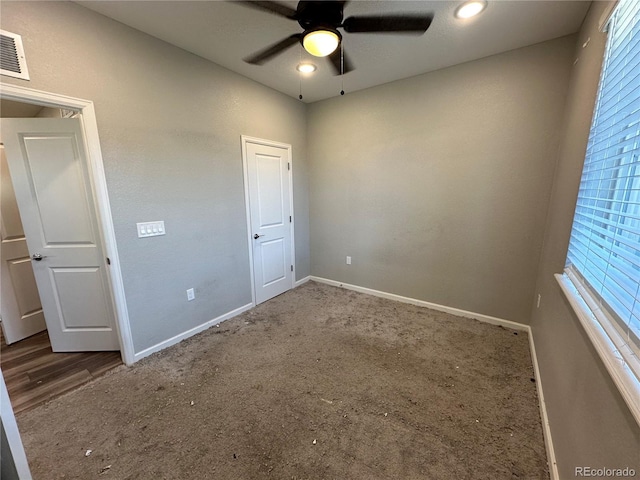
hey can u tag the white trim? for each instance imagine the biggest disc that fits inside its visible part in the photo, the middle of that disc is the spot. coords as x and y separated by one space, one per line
244 139
421 303
546 428
608 345
603 23
13 434
193 331
302 282
245 178
96 167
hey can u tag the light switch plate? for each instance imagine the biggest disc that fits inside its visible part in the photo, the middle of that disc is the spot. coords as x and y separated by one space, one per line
150 229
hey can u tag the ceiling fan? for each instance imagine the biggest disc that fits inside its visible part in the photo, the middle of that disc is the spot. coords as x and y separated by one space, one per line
320 21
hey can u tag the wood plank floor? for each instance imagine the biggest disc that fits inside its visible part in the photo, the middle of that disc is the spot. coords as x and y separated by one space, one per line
35 375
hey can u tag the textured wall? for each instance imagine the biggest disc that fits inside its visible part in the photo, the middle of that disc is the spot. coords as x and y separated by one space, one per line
170 125
590 423
437 185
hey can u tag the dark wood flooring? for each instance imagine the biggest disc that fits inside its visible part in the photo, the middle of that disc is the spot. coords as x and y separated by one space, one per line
35 375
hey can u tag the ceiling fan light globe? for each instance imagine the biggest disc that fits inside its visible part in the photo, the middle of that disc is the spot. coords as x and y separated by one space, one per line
321 43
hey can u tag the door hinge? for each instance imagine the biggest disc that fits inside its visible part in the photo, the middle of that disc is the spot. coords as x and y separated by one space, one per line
288 166
108 261
292 268
289 218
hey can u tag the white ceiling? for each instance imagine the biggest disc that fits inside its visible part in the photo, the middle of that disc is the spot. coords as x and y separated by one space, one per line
226 32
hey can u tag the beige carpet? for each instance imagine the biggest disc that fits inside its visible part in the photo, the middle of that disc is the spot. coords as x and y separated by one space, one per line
318 383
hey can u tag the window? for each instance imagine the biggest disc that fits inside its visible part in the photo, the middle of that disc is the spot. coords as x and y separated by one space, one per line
602 274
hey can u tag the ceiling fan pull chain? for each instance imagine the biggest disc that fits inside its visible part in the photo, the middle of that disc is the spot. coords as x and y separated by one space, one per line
299 72
342 68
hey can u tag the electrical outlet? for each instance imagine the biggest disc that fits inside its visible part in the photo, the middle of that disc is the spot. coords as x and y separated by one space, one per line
190 294
348 260
539 298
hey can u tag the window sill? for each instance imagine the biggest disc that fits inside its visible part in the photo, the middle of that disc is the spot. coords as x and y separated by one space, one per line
609 345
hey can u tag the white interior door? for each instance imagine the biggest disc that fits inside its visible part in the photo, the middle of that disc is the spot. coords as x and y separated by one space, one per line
269 187
20 306
48 164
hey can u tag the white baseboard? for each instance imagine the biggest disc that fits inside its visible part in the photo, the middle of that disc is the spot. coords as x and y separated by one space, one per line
189 333
546 429
422 303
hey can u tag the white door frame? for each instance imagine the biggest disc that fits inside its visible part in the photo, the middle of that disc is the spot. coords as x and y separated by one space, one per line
13 434
259 141
98 181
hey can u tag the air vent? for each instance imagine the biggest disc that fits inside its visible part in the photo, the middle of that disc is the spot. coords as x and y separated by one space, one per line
12 60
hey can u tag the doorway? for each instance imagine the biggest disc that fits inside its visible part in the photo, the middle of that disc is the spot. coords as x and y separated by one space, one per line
104 230
32 371
268 175
47 162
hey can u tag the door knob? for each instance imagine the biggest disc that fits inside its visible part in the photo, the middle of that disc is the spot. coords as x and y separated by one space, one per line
256 236
37 257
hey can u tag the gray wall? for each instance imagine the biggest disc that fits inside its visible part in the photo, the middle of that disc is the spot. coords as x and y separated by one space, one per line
170 125
437 185
590 423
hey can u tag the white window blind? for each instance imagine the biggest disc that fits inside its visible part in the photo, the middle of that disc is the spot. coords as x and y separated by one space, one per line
603 260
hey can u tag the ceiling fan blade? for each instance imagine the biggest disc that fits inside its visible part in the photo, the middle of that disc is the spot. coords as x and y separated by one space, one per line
262 56
388 23
271 7
340 67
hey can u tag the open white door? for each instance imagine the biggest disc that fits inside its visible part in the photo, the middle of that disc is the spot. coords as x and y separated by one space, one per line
269 187
47 161
20 306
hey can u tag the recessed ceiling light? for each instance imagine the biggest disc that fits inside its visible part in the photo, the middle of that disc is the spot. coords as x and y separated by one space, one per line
306 67
470 9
